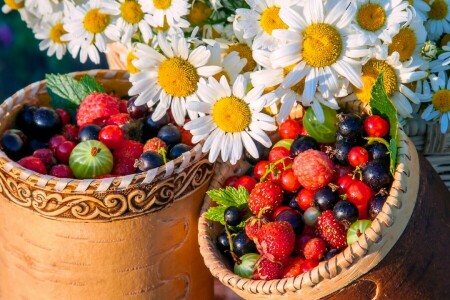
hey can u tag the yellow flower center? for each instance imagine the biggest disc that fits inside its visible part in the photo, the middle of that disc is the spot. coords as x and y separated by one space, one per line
271 20
13 5
371 16
231 114
162 4
370 72
322 45
131 11
438 9
178 77
404 42
199 13
244 51
95 21
441 100
445 39
130 67
56 32
164 27
299 86
411 2
220 74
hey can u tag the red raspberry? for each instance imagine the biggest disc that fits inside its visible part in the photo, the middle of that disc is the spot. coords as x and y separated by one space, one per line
154 144
118 119
315 249
33 163
70 132
313 169
61 171
293 267
276 240
268 270
253 225
265 195
97 108
331 230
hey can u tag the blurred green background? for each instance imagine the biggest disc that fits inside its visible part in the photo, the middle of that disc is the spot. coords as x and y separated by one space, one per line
21 61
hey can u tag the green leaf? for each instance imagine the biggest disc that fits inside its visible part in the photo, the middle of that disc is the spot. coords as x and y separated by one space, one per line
66 88
225 198
216 214
91 85
372 140
382 105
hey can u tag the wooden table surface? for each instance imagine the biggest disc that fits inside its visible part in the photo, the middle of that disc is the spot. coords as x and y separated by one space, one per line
418 265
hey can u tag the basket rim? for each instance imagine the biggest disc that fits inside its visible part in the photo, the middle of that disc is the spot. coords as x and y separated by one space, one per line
343 261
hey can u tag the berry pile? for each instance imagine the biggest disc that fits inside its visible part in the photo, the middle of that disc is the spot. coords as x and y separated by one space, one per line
108 137
307 198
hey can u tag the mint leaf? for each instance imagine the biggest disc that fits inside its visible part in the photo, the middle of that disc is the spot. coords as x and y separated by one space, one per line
225 198
91 85
216 214
66 88
382 105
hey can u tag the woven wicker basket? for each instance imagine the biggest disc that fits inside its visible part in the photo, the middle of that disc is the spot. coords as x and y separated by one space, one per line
130 237
342 269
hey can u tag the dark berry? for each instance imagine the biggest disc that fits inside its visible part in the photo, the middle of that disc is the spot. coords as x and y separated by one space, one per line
376 204
330 254
24 119
64 150
46 123
376 174
345 213
35 144
303 143
377 150
293 217
325 198
349 126
341 152
232 216
47 157
13 145
61 171
170 134
136 111
64 116
178 150
151 128
263 154
134 130
242 244
149 160
223 243
89 132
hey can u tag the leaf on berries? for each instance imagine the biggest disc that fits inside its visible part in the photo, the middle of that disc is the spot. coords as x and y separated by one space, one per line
225 198
216 214
383 106
66 87
91 84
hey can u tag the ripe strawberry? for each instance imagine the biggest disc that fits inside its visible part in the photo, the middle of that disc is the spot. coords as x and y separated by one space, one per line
293 267
96 108
154 144
276 240
253 225
268 270
309 264
331 231
313 169
123 105
33 163
118 119
265 195
315 248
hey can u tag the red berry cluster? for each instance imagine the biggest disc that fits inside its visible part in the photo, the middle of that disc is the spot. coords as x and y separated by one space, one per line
308 200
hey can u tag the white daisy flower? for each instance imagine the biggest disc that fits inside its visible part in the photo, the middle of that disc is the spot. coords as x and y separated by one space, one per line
444 57
50 32
232 119
41 7
379 19
133 19
171 77
89 28
321 47
259 22
231 63
169 11
171 30
397 80
19 5
422 8
438 19
440 101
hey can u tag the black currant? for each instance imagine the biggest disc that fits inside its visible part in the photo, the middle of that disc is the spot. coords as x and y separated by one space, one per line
170 134
242 244
178 150
222 242
136 111
232 216
376 174
24 119
13 144
303 143
341 151
293 217
46 122
376 204
325 198
89 132
345 212
350 126
377 150
330 254
149 160
151 128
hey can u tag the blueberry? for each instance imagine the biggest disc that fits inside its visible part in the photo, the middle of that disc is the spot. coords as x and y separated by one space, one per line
13 144
325 198
149 160
151 128
293 217
378 151
136 111
263 153
293 203
345 212
232 216
349 126
170 134
89 132
303 143
24 119
376 174
341 152
376 204
242 244
46 122
222 242
178 150
35 144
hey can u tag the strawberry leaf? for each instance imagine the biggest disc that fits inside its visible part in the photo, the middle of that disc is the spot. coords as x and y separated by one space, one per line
383 106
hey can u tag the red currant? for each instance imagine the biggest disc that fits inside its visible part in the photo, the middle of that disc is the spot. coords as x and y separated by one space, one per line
248 182
55 141
359 193
289 181
344 182
376 126
261 168
111 135
64 150
230 181
358 156
305 198
281 156
274 175
289 129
